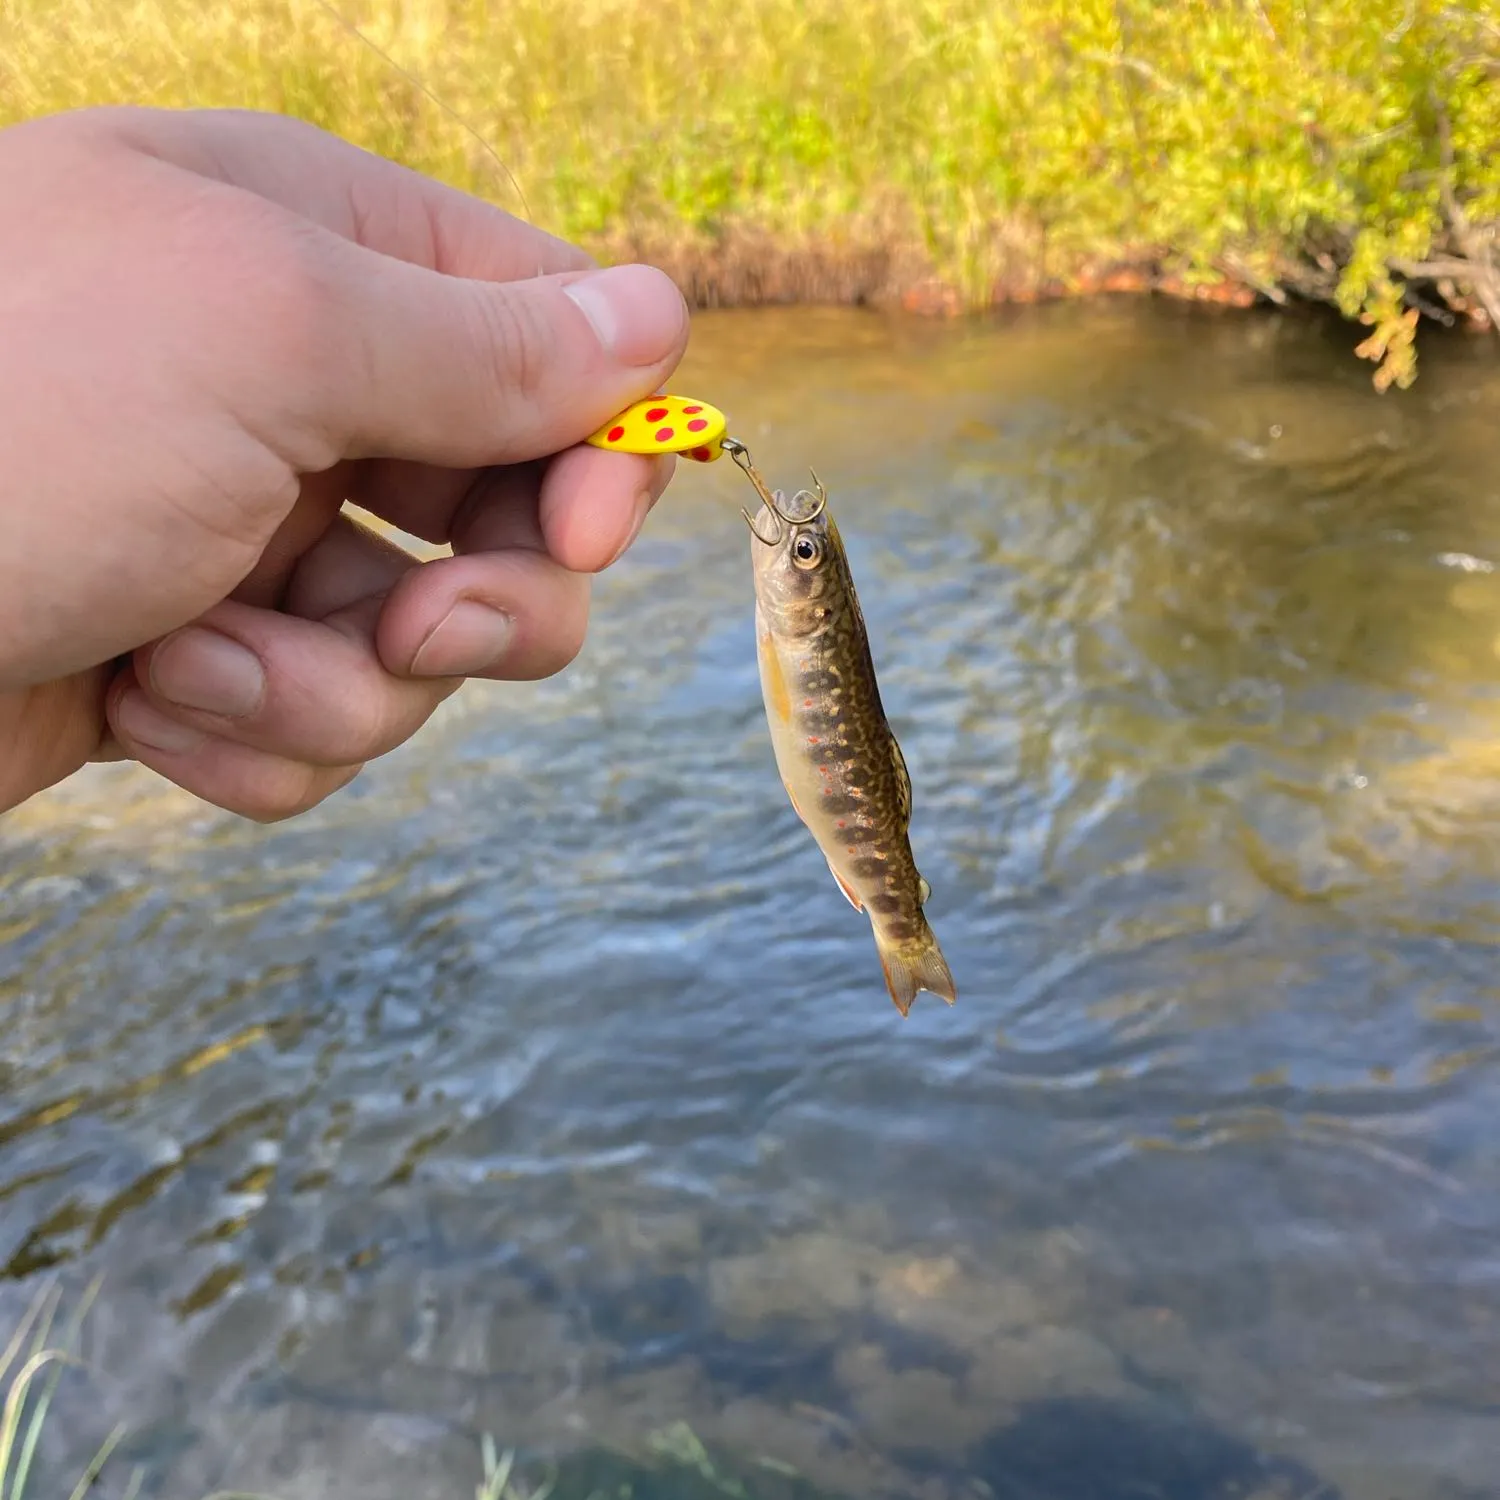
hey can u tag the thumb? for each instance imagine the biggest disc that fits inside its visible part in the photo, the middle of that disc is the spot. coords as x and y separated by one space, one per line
466 373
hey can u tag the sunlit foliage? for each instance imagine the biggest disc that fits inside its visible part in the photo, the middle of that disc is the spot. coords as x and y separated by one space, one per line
1328 148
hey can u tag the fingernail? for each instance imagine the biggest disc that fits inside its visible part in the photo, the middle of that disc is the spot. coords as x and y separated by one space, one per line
470 638
642 510
199 668
143 724
636 311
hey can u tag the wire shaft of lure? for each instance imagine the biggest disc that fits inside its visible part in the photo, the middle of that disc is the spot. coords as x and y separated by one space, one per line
772 499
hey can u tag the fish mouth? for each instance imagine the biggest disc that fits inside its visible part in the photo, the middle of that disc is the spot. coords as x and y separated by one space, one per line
804 510
753 522
806 506
775 501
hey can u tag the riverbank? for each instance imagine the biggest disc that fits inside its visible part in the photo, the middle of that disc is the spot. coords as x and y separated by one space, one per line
945 156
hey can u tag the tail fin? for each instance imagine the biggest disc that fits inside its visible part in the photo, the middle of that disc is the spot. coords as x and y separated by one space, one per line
914 964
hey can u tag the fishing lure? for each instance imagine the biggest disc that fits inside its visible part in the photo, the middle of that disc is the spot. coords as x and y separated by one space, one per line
666 424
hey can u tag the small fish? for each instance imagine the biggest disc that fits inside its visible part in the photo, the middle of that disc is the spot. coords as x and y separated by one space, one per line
838 759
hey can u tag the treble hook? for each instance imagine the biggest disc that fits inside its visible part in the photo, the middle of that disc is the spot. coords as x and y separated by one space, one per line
822 498
741 455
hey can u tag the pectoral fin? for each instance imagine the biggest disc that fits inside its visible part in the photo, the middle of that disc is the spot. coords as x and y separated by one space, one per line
924 891
772 679
854 900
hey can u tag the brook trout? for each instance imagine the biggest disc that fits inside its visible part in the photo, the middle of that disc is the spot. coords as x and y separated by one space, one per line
837 757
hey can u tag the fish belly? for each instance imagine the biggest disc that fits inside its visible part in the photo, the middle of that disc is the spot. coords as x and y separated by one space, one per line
829 790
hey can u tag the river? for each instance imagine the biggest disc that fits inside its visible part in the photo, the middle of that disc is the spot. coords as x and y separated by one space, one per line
543 1084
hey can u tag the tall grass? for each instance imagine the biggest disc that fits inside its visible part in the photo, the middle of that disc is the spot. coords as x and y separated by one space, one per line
31 1366
1327 148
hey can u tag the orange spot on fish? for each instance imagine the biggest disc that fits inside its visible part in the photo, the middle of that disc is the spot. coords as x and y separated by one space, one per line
807 703
842 823
812 739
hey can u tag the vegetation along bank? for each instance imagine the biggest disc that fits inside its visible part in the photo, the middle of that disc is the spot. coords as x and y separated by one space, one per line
945 155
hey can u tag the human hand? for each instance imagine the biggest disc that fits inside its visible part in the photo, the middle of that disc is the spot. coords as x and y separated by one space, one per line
216 327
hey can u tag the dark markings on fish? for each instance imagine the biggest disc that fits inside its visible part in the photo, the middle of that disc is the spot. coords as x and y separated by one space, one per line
884 902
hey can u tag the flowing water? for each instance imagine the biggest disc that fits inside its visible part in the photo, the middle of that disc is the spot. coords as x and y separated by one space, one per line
544 1085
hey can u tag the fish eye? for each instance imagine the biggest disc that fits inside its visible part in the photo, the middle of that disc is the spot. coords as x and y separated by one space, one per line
806 551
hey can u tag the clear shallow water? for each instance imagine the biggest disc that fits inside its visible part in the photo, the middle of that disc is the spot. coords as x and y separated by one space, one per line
543 1083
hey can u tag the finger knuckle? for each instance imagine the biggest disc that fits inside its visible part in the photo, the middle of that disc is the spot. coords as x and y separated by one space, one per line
275 302
269 284
286 790
513 342
368 728
292 307
559 644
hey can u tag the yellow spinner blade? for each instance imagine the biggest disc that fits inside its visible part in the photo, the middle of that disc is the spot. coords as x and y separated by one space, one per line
666 424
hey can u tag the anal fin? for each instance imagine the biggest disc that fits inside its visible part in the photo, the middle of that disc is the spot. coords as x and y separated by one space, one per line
843 885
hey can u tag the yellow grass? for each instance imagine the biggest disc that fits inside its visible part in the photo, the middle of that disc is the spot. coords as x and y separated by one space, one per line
1330 146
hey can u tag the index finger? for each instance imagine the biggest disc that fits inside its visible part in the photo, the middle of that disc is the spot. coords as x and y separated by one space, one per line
362 197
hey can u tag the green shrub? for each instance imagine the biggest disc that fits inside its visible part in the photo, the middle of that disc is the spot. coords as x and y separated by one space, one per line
1325 148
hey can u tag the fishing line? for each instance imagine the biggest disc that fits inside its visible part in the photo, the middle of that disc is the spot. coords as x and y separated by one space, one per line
422 88
696 430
